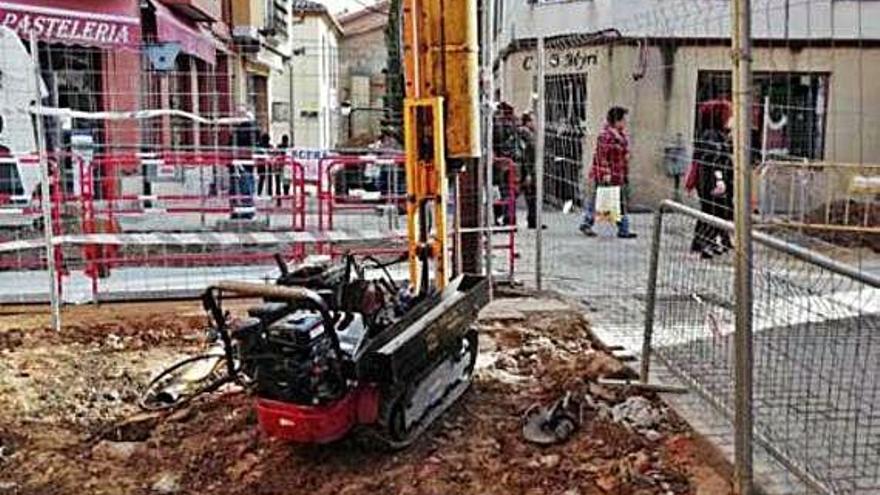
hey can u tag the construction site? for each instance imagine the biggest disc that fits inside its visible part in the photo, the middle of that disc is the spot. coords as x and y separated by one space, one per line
430 247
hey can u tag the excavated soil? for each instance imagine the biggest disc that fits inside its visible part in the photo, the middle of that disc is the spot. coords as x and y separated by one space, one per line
854 213
68 424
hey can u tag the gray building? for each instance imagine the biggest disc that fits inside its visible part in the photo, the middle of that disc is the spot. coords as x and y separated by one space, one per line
362 62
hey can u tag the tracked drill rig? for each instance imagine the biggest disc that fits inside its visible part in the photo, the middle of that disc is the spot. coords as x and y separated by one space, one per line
332 348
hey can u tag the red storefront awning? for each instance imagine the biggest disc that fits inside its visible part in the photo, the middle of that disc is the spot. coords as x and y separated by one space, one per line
103 23
193 39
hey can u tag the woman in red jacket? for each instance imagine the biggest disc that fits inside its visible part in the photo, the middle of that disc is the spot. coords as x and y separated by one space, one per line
610 167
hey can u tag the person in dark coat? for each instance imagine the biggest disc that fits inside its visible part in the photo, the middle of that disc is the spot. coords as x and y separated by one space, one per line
265 170
526 132
713 151
505 142
286 174
245 139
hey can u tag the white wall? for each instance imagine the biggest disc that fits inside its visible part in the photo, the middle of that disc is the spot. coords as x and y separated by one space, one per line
810 19
363 58
316 81
663 103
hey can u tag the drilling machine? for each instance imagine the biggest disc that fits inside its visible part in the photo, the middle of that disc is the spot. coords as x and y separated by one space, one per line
331 348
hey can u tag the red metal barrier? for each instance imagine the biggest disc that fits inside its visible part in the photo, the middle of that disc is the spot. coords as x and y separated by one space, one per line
510 204
329 200
213 184
204 187
59 208
110 195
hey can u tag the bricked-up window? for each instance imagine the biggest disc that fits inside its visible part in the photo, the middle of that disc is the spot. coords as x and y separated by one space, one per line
565 98
797 111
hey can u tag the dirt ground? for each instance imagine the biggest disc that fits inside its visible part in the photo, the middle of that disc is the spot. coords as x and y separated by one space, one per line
59 393
848 213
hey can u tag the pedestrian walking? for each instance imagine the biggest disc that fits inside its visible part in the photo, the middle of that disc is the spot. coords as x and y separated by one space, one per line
264 165
505 145
242 169
286 173
610 168
526 132
713 180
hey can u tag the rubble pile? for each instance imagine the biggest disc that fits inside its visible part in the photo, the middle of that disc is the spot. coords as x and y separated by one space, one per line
625 443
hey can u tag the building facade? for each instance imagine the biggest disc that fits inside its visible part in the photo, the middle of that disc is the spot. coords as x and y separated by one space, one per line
315 36
80 44
813 66
262 33
362 64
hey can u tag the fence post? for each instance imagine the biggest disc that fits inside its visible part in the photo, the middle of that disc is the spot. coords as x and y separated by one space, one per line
742 111
488 136
651 302
539 164
45 192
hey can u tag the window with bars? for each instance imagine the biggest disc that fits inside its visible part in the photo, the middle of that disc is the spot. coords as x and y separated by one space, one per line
565 100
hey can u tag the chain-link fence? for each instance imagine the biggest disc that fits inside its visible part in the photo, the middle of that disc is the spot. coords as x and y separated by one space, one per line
831 200
180 152
669 67
815 398
187 154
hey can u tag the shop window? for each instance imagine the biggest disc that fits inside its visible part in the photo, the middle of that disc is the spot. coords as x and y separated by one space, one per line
566 110
73 76
795 123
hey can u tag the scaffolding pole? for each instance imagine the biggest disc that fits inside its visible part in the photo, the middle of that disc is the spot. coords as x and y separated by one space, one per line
742 105
45 190
488 137
539 164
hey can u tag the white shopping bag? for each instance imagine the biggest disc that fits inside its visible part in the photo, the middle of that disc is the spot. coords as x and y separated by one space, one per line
608 204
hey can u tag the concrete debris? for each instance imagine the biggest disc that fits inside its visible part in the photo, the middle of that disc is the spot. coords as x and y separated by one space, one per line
167 483
638 413
652 435
8 487
116 450
550 461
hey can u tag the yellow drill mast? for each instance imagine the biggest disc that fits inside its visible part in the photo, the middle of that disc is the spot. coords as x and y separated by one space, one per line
441 124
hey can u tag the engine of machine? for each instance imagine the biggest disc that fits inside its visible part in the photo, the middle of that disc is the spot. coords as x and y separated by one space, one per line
298 363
